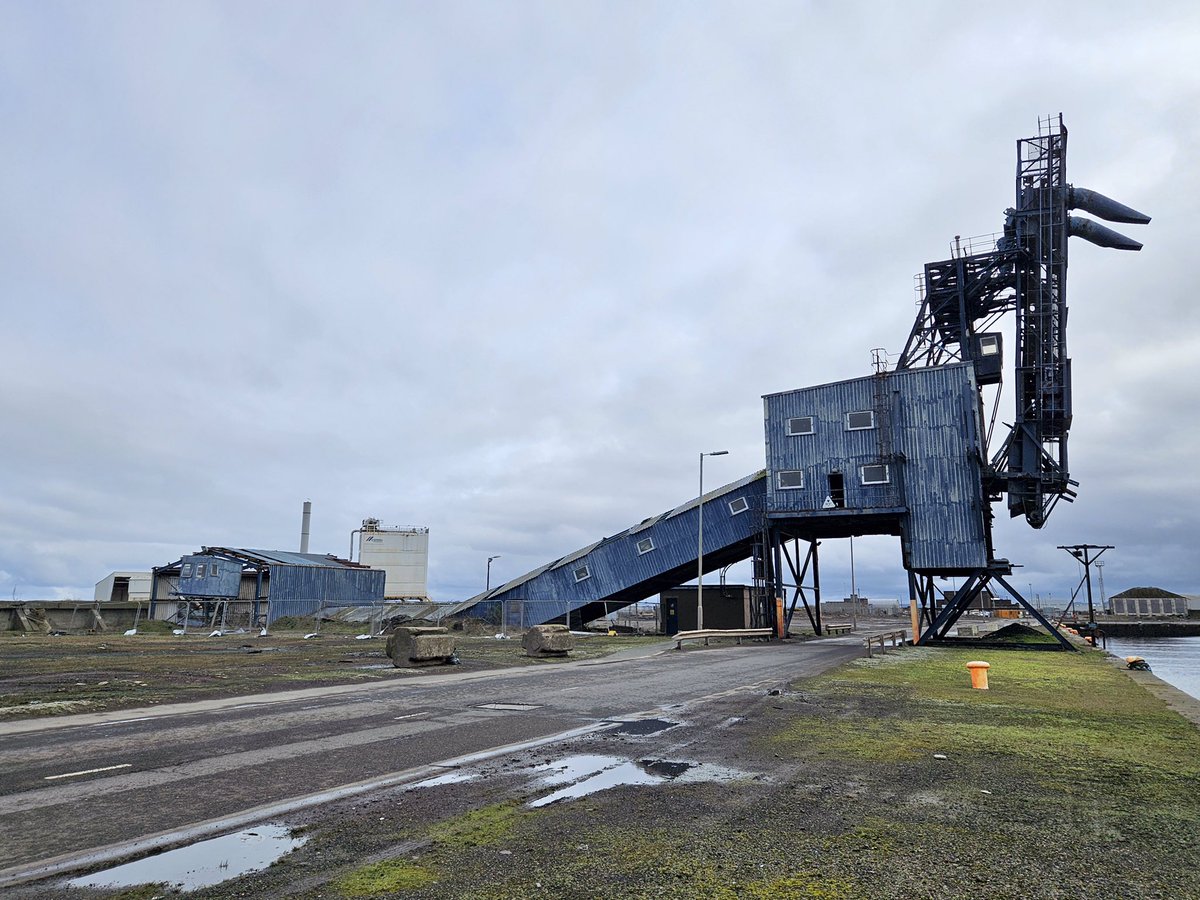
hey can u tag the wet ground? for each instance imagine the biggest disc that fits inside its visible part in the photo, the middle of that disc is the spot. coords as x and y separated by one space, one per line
890 779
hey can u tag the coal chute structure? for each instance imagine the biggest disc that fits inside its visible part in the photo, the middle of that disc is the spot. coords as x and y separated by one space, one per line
911 451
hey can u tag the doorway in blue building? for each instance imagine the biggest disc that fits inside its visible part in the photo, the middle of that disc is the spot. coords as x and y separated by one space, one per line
837 490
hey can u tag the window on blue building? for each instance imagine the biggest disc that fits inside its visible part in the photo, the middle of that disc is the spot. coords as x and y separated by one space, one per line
800 425
738 505
875 474
860 421
582 574
645 545
787 481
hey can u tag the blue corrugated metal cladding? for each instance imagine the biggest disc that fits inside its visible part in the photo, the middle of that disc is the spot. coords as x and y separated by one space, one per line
207 576
303 590
652 556
900 442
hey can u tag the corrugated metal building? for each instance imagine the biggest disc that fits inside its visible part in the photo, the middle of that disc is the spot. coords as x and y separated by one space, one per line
654 555
268 584
894 453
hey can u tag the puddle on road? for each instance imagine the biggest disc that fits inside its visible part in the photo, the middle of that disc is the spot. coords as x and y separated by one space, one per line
667 769
448 778
588 773
202 864
644 726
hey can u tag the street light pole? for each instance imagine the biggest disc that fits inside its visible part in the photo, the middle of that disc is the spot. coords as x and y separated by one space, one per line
853 590
488 583
700 544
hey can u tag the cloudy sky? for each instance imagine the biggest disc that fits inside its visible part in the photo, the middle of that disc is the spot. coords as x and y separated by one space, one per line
504 269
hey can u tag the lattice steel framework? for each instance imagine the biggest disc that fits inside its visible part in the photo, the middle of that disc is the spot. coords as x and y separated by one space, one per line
1022 270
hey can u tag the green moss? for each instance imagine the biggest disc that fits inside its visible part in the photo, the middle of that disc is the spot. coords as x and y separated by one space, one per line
478 828
799 887
383 878
1061 718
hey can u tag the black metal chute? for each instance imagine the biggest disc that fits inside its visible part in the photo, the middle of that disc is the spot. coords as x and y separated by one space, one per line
1023 271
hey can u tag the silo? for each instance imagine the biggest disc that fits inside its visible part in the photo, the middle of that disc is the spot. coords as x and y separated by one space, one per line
402 553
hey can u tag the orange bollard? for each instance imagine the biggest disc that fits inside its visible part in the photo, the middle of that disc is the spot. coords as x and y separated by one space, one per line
780 622
978 672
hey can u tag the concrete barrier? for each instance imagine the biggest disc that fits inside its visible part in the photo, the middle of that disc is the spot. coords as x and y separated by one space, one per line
413 646
548 640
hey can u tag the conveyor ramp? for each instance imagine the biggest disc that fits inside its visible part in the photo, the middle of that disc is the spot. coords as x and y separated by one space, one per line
655 555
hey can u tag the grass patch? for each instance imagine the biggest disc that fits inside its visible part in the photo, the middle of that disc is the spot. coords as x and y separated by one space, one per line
384 877
482 827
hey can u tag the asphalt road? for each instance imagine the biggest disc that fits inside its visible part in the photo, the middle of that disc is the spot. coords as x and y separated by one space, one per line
96 786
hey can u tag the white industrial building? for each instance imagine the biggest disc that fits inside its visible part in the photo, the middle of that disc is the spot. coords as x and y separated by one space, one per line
402 553
124 587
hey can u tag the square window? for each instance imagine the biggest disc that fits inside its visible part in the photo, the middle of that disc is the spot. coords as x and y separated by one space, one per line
787 481
989 345
645 545
212 571
739 505
860 421
200 570
186 571
582 574
875 475
800 425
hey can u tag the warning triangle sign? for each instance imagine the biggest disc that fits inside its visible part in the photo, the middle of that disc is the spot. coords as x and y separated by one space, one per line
828 504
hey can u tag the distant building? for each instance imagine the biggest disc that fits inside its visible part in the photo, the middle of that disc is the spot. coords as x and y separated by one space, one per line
253 587
1148 601
403 553
124 587
848 607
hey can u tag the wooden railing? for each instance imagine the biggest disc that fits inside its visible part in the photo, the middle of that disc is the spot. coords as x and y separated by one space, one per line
896 637
707 633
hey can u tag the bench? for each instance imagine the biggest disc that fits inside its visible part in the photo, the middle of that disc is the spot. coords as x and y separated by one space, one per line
837 629
705 634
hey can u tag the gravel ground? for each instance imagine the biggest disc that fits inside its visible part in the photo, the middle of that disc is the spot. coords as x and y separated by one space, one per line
889 778
43 675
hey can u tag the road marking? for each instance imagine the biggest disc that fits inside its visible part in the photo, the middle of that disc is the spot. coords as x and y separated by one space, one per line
87 772
65 863
408 716
124 721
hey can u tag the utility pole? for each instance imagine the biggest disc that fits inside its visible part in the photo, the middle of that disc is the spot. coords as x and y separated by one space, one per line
1083 553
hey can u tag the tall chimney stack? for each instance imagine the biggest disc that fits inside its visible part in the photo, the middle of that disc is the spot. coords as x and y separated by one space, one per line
304 526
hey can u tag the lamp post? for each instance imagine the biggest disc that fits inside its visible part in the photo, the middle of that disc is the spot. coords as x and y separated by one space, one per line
488 583
853 590
487 586
700 543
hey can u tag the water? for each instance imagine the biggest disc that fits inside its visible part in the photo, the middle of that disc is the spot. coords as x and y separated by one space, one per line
202 864
454 777
1176 660
588 773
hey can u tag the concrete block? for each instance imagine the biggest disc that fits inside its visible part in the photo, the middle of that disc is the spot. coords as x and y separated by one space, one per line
419 646
548 640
